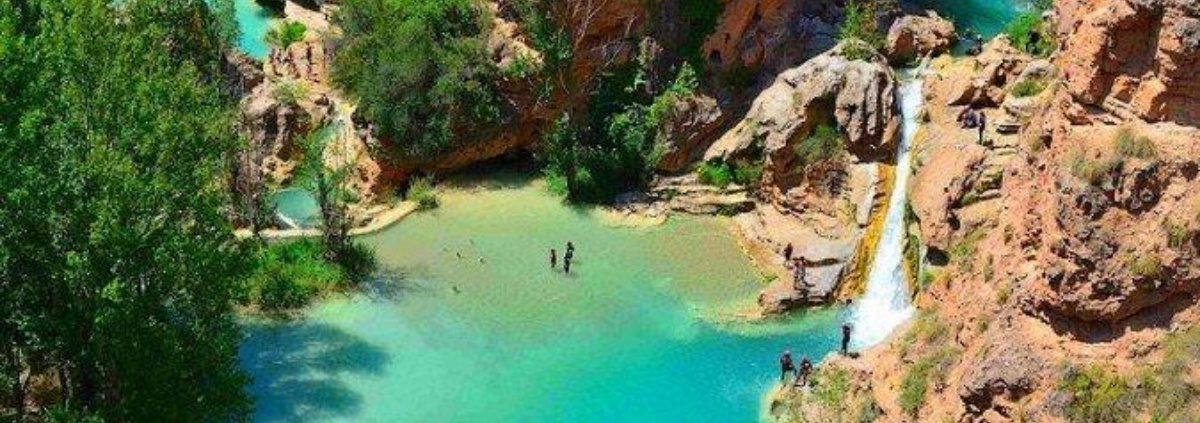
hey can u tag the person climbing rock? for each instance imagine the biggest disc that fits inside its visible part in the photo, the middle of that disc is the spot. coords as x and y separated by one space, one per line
845 338
553 258
787 252
982 125
806 368
786 366
799 272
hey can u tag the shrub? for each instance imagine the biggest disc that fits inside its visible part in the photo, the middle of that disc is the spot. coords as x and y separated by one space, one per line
1028 87
289 91
715 173
860 30
285 34
1095 172
931 368
289 274
927 278
1128 144
1097 396
1031 34
699 20
1149 267
965 247
1177 235
1004 293
421 192
746 173
825 143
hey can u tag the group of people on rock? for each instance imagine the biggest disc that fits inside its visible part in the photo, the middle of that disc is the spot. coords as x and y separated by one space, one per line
973 118
567 257
800 377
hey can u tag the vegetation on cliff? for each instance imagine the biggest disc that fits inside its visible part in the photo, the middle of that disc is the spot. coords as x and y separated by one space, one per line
419 70
615 149
118 266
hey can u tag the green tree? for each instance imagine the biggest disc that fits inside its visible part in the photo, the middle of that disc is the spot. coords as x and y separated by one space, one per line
285 34
420 70
117 262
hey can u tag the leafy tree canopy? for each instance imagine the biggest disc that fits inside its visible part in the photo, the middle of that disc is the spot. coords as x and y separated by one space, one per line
117 262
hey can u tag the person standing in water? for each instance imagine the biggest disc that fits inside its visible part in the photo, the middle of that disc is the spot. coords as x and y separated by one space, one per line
553 258
846 338
786 366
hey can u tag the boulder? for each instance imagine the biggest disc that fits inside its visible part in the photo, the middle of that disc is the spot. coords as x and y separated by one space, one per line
688 129
997 66
915 36
771 35
858 96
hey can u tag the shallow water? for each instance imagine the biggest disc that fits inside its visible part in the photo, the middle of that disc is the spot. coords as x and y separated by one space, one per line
986 17
298 206
627 337
253 21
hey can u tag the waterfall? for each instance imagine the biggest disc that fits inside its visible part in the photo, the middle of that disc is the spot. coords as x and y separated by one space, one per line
886 304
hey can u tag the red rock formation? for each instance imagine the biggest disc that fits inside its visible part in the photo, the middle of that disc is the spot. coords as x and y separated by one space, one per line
1133 58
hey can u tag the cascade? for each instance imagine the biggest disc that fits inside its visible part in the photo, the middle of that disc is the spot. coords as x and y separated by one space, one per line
886 302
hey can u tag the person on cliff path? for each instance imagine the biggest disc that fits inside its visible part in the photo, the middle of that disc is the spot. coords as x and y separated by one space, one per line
553 258
798 274
845 338
786 366
787 252
806 368
982 125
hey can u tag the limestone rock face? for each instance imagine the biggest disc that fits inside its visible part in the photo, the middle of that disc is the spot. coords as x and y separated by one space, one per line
998 65
691 125
1134 57
915 36
855 95
772 35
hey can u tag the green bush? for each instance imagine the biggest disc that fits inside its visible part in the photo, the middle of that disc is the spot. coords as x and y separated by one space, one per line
1097 396
289 91
1021 32
422 192
965 247
1149 267
929 369
699 20
1028 87
860 30
715 173
927 278
420 71
825 143
616 148
290 274
285 34
1177 235
1128 144
1095 172
746 173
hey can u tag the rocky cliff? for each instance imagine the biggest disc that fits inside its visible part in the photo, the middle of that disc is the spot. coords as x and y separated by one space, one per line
1061 278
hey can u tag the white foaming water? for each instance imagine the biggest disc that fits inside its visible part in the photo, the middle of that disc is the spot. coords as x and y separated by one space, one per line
886 304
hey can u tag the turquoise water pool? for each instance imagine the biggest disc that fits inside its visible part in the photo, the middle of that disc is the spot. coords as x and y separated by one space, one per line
630 336
253 22
298 205
986 17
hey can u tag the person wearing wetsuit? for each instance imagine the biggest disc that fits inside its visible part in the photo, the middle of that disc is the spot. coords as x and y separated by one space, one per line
786 366
845 338
806 368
